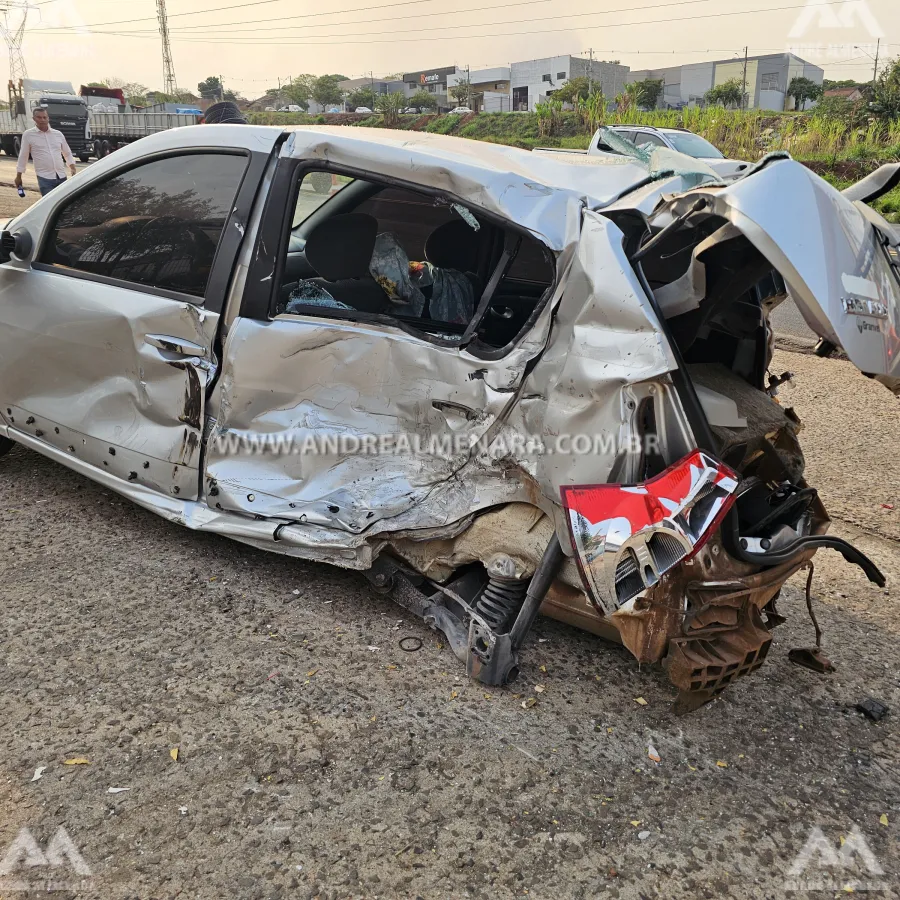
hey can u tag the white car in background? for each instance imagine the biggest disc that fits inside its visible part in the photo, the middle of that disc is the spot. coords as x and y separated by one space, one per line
363 109
678 139
461 110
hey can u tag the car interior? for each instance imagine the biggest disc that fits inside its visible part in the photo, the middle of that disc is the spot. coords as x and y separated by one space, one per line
339 242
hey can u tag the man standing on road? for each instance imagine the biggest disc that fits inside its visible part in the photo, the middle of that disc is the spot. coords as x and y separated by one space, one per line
47 147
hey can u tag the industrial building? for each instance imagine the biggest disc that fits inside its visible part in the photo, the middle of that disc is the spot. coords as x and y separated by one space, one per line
534 80
768 78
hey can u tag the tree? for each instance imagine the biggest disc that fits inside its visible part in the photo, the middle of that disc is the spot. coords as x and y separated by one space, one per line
211 89
135 93
575 89
423 100
390 106
325 90
362 96
729 94
802 89
464 95
886 99
829 85
647 93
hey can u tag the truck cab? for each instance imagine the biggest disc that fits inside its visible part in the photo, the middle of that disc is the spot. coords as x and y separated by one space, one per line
68 114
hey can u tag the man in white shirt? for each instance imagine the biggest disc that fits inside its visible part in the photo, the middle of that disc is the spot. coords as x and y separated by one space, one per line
47 147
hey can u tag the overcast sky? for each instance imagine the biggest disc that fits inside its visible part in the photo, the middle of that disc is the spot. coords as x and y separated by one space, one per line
252 44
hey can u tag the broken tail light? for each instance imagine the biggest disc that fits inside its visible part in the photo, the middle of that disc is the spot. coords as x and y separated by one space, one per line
627 537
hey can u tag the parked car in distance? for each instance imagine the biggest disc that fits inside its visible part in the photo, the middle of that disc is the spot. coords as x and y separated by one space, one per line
460 110
362 109
495 384
677 139
294 108
270 109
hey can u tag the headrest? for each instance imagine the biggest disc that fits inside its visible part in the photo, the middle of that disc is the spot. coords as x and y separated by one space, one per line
224 113
453 246
341 247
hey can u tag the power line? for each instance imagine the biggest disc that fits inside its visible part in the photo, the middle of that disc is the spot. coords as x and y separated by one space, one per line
394 40
220 9
605 12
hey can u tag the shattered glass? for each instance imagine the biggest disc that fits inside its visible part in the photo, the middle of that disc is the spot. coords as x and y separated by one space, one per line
308 293
662 162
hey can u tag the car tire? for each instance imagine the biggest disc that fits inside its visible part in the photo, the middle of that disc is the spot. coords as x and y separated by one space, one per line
17 145
84 157
104 149
98 149
5 445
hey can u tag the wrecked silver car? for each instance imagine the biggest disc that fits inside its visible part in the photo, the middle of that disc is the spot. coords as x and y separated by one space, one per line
495 383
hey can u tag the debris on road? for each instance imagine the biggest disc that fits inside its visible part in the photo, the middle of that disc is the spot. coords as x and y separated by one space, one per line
884 819
77 761
640 701
653 754
873 709
38 773
117 790
174 754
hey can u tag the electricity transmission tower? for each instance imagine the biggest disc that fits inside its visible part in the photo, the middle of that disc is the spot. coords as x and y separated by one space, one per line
13 34
168 65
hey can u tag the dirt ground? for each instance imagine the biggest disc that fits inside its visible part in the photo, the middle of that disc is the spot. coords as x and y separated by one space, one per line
315 758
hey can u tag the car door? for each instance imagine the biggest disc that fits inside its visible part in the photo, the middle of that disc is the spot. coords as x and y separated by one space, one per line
340 418
107 336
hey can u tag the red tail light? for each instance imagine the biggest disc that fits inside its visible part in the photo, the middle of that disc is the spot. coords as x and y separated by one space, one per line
627 537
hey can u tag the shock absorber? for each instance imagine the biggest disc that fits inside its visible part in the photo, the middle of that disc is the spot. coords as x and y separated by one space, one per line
500 602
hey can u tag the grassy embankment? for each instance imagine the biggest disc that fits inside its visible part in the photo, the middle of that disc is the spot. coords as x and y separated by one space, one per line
838 153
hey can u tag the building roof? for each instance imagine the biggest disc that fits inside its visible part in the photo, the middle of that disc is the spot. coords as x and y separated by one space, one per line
845 92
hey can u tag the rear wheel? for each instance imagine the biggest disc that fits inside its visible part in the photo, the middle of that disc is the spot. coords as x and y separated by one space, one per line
97 150
17 145
84 157
104 149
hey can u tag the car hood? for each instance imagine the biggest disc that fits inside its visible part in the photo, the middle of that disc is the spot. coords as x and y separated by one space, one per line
839 259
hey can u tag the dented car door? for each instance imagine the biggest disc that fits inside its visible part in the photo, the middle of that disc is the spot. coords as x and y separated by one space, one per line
107 336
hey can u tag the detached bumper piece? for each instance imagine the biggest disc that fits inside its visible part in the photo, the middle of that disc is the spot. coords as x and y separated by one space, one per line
627 537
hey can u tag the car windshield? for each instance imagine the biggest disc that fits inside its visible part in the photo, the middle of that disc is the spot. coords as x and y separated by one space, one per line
693 145
315 189
63 110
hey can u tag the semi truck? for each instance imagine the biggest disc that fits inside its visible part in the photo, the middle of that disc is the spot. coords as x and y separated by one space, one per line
66 109
88 131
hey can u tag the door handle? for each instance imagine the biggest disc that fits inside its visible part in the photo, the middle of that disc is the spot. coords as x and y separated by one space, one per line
176 345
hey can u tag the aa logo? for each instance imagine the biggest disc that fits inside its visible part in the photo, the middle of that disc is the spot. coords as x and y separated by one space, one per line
849 14
25 856
822 865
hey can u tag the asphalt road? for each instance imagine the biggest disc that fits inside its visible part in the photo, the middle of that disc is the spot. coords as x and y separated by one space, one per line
206 720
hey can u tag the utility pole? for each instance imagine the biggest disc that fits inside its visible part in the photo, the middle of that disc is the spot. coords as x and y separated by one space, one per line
171 86
744 91
468 86
13 37
875 75
591 72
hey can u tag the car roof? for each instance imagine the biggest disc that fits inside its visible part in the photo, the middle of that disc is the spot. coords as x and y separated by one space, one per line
540 193
651 128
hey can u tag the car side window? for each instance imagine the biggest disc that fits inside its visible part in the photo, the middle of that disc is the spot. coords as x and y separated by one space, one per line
156 225
408 257
642 138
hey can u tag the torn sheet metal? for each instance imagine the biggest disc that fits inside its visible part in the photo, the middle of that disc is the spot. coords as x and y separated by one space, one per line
532 190
833 258
133 395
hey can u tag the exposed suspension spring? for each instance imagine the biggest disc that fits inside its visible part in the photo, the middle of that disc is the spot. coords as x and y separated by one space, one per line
500 602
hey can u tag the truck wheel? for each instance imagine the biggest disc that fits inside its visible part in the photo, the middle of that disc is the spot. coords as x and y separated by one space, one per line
84 157
104 149
17 145
97 150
